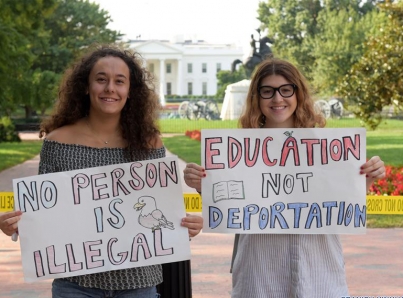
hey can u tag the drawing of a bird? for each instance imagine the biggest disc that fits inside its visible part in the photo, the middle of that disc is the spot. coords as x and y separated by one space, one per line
150 217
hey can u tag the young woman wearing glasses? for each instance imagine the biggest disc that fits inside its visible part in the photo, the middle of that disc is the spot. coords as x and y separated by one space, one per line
279 265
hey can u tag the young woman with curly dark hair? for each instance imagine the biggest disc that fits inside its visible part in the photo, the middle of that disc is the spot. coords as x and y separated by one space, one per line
106 114
136 128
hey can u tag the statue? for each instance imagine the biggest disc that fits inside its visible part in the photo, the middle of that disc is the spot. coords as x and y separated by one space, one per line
255 57
253 46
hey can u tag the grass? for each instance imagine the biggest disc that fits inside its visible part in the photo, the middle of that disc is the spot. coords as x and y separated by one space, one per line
181 125
16 153
183 146
385 221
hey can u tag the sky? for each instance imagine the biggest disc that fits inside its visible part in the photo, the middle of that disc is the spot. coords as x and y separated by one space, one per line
215 21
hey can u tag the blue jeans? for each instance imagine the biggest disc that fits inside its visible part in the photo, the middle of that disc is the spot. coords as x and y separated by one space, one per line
62 288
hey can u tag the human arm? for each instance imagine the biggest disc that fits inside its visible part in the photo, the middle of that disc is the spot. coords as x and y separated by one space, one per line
9 222
193 173
194 223
374 169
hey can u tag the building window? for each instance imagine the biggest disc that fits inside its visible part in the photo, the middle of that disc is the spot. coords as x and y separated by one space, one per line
169 88
204 88
204 67
190 88
151 67
169 67
218 67
190 67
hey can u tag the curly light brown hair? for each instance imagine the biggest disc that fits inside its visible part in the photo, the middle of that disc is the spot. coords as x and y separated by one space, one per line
139 116
305 115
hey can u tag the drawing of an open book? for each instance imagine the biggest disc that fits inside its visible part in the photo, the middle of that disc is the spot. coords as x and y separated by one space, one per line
228 190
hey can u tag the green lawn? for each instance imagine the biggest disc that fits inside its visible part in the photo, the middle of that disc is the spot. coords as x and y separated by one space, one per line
12 154
181 125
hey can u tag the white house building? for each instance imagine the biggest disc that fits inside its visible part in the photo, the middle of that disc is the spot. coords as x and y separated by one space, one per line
185 67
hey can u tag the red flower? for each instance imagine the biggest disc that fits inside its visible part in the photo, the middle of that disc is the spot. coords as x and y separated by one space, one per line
391 185
193 134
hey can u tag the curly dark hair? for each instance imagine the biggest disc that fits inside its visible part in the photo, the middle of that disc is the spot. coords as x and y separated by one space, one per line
305 115
139 116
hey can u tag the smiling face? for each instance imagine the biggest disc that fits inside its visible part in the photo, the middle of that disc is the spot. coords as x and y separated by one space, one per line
109 85
278 110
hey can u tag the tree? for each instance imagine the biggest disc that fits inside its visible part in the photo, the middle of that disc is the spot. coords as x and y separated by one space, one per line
376 80
226 77
317 34
74 25
21 23
39 39
338 44
289 22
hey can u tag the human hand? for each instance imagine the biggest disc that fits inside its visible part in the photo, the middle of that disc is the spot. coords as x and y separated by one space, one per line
193 173
9 222
194 223
374 169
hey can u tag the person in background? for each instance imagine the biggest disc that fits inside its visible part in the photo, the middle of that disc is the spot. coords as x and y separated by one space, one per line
279 265
106 114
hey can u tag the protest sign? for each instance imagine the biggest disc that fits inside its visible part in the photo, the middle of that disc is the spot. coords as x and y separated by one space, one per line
101 219
290 181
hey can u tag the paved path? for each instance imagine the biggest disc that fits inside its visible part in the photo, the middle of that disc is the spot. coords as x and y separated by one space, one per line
374 262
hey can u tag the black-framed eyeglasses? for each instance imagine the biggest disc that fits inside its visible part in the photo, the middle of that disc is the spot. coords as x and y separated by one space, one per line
286 90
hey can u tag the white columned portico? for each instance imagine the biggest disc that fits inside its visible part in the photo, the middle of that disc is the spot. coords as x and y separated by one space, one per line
162 81
179 78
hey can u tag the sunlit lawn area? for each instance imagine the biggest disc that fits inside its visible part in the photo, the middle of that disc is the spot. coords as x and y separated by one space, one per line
12 154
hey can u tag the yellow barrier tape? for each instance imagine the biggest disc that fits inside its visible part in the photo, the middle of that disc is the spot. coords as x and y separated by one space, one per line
193 203
384 204
6 201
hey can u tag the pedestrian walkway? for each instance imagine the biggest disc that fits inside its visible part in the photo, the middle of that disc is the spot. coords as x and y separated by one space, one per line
374 262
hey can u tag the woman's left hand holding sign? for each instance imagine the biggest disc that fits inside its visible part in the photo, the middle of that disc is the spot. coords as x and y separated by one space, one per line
9 222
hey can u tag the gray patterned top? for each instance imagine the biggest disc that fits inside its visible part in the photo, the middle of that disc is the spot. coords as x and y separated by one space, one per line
58 157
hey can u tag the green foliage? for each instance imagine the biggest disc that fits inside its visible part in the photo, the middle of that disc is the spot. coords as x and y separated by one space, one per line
21 25
338 44
376 80
74 25
39 39
226 77
323 38
290 22
7 131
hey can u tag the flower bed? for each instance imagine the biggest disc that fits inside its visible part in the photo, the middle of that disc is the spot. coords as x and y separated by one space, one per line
391 185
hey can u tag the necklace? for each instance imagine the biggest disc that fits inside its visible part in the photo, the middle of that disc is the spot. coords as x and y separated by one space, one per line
89 126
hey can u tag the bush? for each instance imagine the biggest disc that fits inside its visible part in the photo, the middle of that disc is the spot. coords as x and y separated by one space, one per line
7 131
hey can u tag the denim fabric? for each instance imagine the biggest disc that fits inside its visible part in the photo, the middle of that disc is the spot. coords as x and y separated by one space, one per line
62 288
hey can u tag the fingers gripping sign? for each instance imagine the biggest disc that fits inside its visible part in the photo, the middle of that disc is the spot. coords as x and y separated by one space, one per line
193 174
9 222
374 169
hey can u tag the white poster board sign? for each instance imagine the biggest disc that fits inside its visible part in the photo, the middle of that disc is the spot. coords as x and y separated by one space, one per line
101 219
289 181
